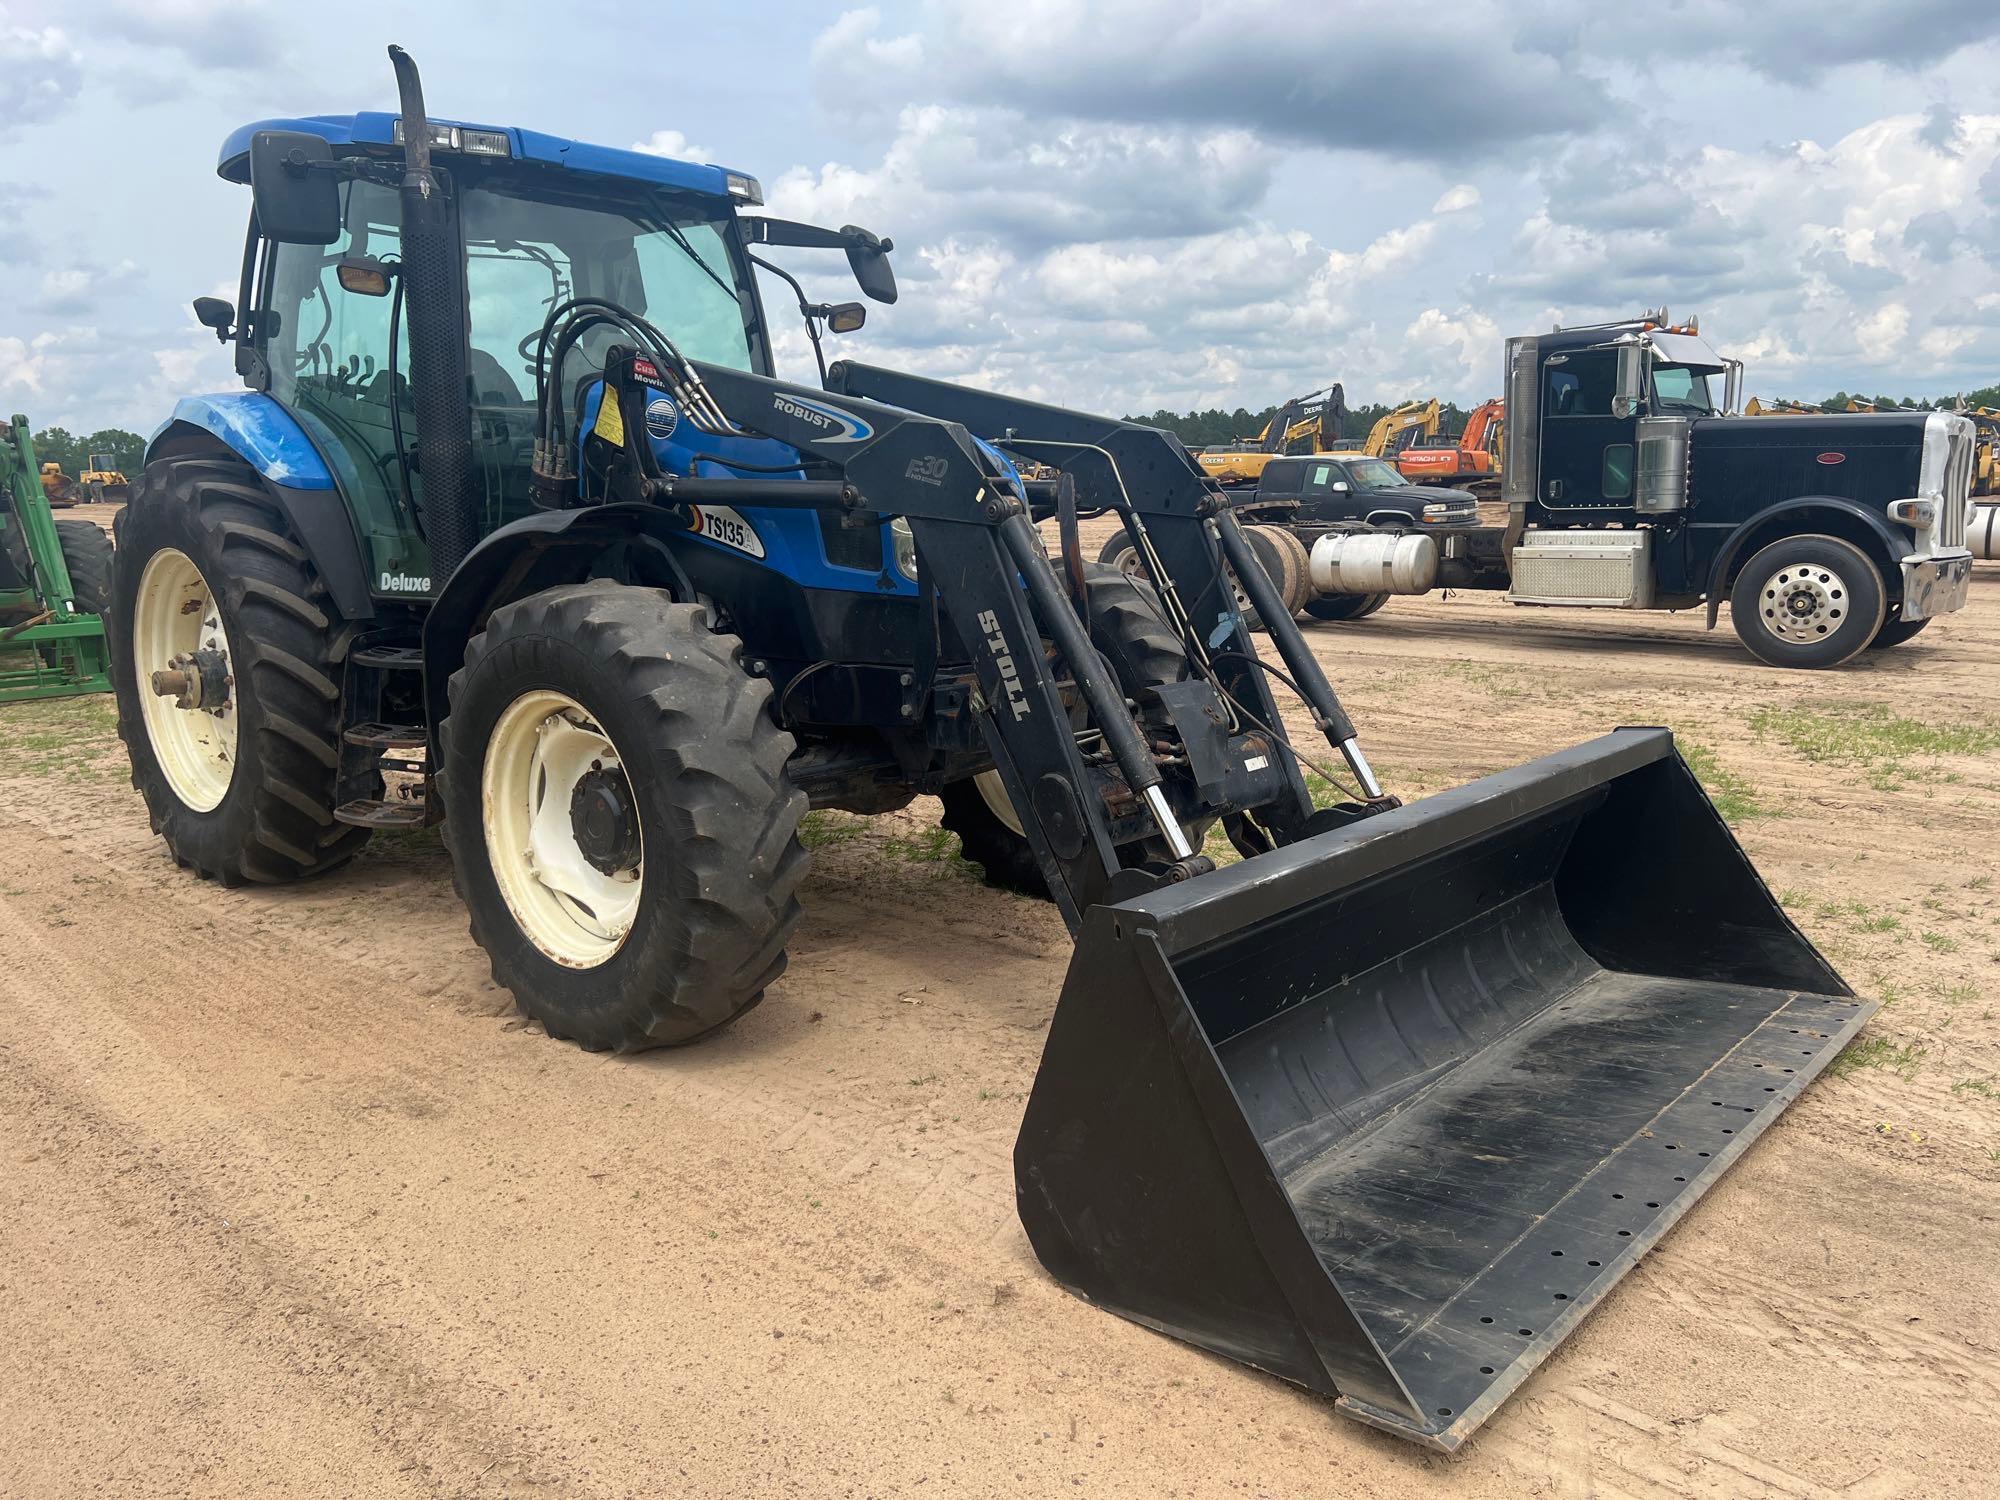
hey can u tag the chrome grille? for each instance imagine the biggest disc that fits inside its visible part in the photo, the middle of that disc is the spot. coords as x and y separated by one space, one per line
1955 503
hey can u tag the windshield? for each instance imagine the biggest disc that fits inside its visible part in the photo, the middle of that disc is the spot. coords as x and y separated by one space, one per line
1678 388
666 258
1373 474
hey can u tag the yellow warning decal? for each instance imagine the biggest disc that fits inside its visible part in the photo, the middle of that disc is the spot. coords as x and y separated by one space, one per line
610 421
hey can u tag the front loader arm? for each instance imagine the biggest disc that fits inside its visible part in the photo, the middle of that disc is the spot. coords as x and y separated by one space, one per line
1176 514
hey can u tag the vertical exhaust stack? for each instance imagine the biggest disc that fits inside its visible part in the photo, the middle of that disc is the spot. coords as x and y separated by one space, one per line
434 305
1386 1112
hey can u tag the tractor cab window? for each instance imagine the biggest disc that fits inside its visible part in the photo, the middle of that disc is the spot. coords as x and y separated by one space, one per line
666 258
1581 385
1679 390
328 352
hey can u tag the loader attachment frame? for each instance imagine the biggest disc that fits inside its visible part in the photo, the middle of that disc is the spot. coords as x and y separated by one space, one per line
1387 1112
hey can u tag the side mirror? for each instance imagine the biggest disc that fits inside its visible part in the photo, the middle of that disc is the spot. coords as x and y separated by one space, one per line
215 313
1631 380
295 187
1342 487
846 317
364 275
868 258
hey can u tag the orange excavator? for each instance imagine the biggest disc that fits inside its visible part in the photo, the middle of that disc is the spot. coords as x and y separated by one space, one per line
1473 462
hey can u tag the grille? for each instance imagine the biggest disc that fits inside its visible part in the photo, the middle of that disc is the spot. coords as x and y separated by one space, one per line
1955 504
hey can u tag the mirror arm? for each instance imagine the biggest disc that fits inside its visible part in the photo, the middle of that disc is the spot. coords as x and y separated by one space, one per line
806 309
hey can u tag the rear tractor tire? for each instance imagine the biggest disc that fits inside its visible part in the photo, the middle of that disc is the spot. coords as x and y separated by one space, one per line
226 657
1808 601
622 827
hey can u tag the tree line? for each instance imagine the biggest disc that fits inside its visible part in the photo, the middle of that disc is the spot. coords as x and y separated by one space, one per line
60 445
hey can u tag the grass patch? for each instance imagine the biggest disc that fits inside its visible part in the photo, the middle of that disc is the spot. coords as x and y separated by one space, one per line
1979 1088
1732 794
1901 1058
71 738
1870 736
1938 942
825 830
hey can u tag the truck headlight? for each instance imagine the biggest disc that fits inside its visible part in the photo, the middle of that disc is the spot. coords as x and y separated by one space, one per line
1437 508
1920 514
906 547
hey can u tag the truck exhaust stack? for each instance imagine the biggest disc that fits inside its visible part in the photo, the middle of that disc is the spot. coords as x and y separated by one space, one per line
1388 1112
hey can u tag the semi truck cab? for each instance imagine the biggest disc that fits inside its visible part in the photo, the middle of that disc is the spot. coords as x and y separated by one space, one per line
1631 483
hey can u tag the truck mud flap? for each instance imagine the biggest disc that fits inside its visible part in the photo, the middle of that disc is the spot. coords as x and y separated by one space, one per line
1388 1111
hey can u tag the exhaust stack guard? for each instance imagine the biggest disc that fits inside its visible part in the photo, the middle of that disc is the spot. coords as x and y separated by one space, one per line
1388 1111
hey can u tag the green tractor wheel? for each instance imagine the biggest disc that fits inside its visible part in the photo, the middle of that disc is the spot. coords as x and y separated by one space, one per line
622 826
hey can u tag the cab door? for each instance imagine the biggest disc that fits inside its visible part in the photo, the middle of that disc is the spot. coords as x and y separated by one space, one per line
1587 452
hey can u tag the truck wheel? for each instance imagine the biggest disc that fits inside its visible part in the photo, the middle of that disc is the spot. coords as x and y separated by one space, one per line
1807 601
226 659
1126 625
1895 632
86 552
1345 606
622 827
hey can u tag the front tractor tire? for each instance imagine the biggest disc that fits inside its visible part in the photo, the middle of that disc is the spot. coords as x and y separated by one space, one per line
622 827
1808 601
226 658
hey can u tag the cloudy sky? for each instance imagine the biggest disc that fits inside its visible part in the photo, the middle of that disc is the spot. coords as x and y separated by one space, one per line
1118 204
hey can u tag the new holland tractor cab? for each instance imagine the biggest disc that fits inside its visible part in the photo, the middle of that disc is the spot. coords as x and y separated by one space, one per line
516 529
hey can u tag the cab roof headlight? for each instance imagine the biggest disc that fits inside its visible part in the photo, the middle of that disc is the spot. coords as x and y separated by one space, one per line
457 138
744 189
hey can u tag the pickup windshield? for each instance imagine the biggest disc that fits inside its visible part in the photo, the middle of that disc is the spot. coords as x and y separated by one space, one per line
1676 388
1373 474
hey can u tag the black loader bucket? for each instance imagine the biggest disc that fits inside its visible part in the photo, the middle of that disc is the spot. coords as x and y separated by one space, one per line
1388 1111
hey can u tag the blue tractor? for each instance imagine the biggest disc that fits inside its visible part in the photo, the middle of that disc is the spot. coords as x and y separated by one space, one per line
514 528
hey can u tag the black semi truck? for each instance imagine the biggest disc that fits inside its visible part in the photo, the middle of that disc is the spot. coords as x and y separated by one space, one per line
1631 483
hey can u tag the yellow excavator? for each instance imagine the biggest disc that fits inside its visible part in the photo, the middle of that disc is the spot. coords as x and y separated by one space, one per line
1420 419
1303 424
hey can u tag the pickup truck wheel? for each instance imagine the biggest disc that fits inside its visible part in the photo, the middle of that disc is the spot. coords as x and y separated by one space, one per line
1895 632
1346 606
1808 601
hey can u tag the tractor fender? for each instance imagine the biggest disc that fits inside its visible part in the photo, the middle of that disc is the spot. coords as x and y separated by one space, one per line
260 431
1850 519
539 552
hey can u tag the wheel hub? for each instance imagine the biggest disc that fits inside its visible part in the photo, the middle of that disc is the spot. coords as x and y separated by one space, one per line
604 821
197 680
1804 603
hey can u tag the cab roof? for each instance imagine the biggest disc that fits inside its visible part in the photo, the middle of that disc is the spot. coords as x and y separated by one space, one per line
374 128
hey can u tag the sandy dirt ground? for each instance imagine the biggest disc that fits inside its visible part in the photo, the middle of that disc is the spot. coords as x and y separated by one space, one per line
293 1203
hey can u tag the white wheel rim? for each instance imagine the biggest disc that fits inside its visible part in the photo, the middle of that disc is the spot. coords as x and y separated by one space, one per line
993 792
1127 562
175 616
543 745
1803 603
